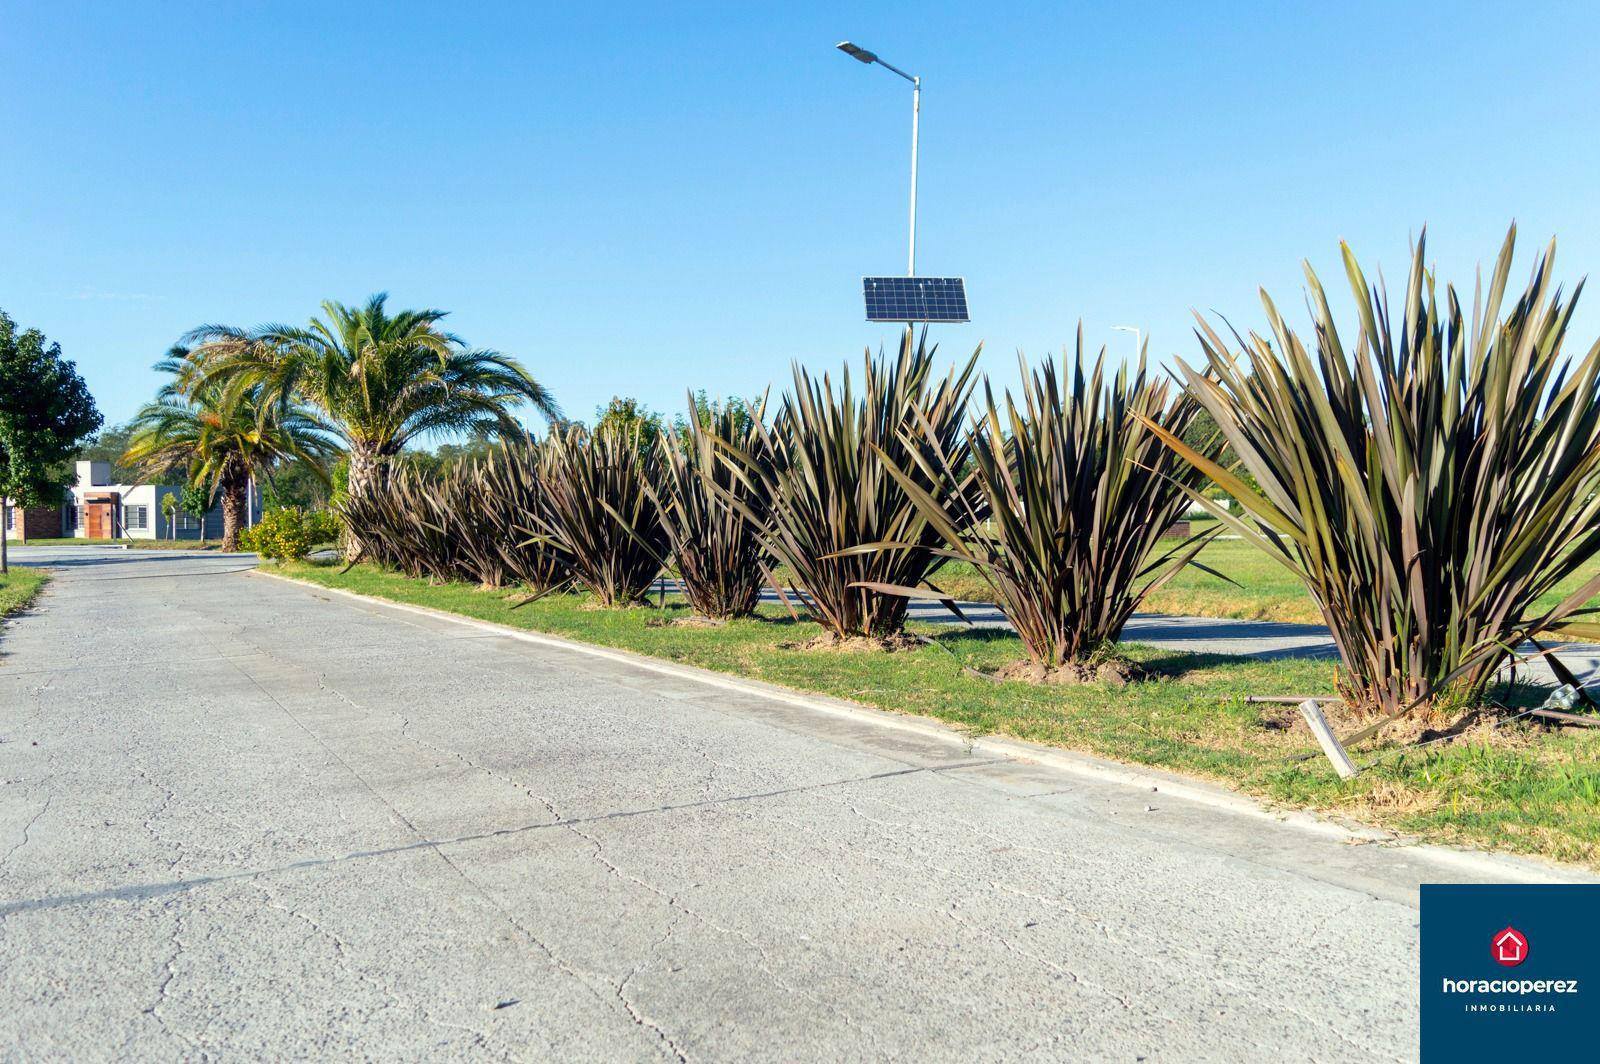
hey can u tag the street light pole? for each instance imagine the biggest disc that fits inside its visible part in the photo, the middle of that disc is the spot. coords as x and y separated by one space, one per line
916 114
856 52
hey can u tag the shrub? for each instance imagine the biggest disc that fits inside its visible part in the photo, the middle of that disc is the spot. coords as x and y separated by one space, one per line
599 513
851 532
324 526
714 518
286 533
458 505
1427 483
1077 492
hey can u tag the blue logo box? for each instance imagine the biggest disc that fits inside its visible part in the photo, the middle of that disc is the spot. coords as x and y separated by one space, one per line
1510 972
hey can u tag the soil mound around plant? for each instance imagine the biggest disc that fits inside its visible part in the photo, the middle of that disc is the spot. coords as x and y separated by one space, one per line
692 621
600 607
1425 724
1111 673
891 644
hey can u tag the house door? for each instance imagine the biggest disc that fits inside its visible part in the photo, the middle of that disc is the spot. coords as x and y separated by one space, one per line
97 520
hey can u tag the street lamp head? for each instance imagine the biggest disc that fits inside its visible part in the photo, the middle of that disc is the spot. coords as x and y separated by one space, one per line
857 53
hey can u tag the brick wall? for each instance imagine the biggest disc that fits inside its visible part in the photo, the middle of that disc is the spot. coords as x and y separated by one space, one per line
35 522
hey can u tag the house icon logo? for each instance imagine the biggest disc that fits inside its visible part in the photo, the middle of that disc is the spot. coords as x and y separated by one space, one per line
1509 947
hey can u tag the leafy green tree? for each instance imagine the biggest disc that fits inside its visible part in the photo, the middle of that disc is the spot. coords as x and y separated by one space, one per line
295 484
224 437
447 456
195 500
380 379
631 418
708 412
107 445
46 412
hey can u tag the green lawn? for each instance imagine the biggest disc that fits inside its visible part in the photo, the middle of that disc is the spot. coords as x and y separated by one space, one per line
1530 790
1267 591
18 588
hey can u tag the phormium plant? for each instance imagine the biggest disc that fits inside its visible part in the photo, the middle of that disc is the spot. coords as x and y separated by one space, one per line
1073 496
713 513
834 504
472 522
515 502
600 514
1429 479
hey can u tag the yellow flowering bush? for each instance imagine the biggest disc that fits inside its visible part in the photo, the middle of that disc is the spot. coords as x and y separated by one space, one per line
288 533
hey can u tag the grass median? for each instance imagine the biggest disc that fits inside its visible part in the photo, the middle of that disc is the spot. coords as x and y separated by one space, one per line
1521 788
18 588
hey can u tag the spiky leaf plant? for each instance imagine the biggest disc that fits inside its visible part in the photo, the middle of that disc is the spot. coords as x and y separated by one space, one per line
469 517
472 522
600 513
1428 482
1077 493
407 522
833 499
713 515
515 497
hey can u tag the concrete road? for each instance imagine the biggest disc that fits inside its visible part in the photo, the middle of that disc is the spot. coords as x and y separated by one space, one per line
244 818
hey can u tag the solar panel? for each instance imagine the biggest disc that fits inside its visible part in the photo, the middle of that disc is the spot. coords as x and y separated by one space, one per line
915 298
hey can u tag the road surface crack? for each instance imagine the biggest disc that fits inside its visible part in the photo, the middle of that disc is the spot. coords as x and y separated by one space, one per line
27 829
479 1039
764 965
639 1017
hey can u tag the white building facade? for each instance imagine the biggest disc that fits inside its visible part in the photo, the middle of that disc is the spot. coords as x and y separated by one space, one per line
94 508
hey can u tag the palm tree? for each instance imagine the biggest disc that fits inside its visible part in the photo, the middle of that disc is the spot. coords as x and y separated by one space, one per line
221 438
381 379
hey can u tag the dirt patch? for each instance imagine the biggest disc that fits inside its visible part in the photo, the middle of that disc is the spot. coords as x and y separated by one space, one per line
1431 724
891 644
694 621
1112 673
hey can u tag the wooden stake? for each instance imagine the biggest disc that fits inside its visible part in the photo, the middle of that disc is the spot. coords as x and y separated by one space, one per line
1342 764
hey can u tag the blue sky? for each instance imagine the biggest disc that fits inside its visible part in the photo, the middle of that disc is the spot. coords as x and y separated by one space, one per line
643 199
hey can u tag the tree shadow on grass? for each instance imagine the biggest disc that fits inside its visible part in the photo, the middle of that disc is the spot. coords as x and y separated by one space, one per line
781 620
953 636
1153 662
1178 664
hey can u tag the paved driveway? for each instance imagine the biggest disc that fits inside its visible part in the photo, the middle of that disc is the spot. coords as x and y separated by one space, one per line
241 816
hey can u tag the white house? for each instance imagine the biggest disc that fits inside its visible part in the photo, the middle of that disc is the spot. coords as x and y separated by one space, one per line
94 508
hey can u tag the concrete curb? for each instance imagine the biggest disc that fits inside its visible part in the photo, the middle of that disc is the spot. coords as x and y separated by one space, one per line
1088 766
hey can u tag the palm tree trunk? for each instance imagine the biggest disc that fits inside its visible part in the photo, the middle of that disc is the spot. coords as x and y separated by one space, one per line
235 482
232 512
368 471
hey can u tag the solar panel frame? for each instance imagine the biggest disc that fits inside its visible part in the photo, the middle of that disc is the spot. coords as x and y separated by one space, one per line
915 299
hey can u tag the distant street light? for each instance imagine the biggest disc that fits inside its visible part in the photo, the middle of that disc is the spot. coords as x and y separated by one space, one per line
1138 343
859 53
